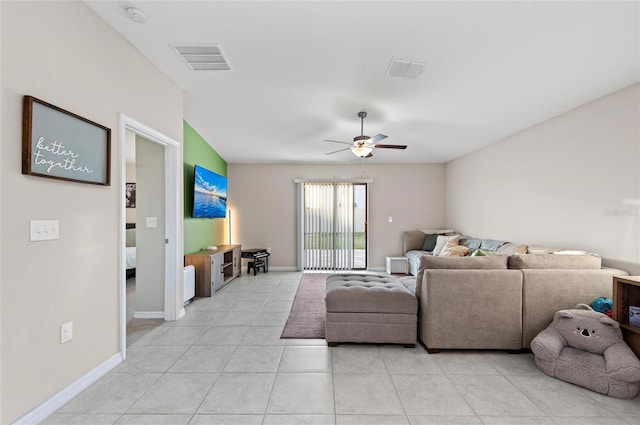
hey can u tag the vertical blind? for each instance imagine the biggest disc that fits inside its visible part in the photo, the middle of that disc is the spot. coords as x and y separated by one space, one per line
328 226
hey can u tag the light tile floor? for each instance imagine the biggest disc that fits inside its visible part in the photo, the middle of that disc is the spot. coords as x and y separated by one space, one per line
224 363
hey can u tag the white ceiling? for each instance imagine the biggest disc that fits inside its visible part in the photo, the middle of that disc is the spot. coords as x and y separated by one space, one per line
301 71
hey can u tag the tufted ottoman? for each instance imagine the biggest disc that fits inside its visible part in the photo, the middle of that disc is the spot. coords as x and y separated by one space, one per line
370 308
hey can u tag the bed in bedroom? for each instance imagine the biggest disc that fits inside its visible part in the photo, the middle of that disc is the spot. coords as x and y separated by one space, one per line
131 250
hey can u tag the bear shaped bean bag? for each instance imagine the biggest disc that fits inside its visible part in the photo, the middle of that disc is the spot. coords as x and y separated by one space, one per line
585 348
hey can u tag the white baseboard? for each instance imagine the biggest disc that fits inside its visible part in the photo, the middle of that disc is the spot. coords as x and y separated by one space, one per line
283 268
148 315
377 269
41 412
182 313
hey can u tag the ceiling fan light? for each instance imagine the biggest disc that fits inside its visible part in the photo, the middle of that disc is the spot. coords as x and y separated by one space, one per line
361 150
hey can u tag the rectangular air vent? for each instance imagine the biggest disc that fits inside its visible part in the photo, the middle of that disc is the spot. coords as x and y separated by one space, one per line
404 68
203 57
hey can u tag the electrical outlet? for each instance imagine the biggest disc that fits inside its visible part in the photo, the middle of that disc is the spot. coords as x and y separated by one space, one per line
44 230
390 219
66 332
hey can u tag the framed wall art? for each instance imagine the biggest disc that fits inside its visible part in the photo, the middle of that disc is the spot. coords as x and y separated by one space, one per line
130 195
62 145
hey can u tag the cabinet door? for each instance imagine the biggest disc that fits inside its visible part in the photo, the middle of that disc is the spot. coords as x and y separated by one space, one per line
237 261
216 273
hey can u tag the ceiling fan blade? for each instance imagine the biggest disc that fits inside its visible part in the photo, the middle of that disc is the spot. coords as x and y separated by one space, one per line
378 137
337 141
370 155
339 150
391 146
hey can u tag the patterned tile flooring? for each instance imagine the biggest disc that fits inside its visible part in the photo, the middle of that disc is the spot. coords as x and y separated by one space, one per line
224 363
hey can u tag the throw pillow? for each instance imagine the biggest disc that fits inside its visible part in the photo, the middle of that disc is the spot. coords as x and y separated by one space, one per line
513 248
442 241
539 249
484 253
452 249
430 242
469 242
568 252
491 245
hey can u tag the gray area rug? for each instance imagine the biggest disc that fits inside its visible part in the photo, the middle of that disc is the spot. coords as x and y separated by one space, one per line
306 319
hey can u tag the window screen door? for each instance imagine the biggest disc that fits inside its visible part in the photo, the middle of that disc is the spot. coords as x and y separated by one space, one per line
334 226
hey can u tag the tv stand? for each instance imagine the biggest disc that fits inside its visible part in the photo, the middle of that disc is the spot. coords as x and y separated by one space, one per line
215 268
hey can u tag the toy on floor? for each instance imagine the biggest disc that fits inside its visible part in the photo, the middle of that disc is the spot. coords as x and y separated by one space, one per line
584 347
603 305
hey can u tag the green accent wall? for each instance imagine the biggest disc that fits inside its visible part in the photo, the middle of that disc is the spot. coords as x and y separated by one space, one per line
200 232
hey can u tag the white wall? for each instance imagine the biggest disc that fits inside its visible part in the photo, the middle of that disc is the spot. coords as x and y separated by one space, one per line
62 53
150 246
263 201
571 182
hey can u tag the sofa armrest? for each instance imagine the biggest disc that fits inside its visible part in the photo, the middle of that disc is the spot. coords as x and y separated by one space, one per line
412 240
475 309
621 363
546 347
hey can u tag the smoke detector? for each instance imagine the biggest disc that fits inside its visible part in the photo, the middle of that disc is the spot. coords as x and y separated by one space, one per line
405 68
136 15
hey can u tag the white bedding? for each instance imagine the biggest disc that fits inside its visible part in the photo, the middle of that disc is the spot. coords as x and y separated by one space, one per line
131 257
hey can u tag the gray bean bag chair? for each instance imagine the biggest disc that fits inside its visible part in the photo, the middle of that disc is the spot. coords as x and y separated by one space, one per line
585 348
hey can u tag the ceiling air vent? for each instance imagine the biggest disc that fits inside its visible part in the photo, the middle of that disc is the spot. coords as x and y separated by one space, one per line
203 57
404 68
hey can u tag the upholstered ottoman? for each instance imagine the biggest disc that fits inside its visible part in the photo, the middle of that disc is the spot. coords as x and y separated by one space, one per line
370 308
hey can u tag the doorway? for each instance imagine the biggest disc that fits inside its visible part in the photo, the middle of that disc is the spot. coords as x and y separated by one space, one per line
145 195
170 307
334 226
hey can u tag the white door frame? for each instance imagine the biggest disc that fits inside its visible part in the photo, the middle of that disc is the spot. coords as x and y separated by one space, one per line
300 265
173 306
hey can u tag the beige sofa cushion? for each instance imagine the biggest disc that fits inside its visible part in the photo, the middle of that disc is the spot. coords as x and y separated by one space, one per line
430 262
490 262
413 240
554 261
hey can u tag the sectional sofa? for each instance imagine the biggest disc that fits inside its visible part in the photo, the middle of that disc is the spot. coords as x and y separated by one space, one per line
500 301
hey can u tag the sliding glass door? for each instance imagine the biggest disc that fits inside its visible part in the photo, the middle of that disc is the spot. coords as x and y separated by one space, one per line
334 226
360 234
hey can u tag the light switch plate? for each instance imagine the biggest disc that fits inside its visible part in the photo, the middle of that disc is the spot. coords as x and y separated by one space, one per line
44 230
66 332
152 221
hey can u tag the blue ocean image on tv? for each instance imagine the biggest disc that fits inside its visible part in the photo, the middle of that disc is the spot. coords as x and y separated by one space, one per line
209 194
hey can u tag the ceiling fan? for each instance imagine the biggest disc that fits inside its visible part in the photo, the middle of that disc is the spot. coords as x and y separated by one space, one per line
362 145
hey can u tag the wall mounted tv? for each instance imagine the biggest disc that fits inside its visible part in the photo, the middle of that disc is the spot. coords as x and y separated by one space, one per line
209 194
